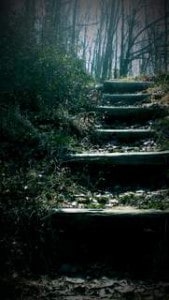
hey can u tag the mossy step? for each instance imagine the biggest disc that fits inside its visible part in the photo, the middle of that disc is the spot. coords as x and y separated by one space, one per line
123 134
134 112
121 159
124 99
115 86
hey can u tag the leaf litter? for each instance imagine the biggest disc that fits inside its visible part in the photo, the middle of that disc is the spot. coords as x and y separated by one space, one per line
88 287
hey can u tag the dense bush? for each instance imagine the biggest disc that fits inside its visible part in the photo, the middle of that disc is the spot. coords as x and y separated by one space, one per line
42 87
39 83
34 74
163 81
53 78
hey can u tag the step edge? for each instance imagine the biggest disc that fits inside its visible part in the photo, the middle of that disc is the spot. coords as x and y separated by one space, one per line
124 131
117 154
134 107
132 95
111 212
128 81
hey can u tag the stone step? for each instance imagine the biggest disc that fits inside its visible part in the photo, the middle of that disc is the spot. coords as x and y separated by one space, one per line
120 159
118 212
124 99
116 86
123 134
127 239
132 112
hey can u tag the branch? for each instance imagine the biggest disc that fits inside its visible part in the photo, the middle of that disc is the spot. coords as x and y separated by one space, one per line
148 26
150 44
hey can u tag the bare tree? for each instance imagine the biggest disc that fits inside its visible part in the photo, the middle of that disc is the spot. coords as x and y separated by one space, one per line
166 33
109 49
143 38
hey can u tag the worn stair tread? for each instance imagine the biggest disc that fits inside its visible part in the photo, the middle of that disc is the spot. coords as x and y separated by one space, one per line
121 159
124 134
131 108
119 131
125 86
121 210
137 112
125 98
128 95
124 239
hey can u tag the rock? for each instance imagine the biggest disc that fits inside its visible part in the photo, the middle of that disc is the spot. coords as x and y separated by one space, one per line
75 280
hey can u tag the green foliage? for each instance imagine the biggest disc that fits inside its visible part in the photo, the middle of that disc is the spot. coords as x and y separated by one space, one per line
51 79
163 81
36 75
15 127
40 86
41 89
162 128
60 79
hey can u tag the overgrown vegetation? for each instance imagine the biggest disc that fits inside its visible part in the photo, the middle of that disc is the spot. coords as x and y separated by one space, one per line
45 111
160 94
42 89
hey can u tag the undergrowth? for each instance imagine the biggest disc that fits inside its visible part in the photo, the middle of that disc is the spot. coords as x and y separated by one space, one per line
37 129
42 91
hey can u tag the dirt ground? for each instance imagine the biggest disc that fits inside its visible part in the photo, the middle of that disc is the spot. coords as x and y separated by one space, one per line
79 285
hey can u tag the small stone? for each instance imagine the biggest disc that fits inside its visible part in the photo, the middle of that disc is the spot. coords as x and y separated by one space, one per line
102 293
114 202
108 205
140 192
125 289
80 196
75 280
95 201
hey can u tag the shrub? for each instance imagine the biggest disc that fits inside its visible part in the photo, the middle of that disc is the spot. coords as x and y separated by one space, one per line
34 76
37 80
16 127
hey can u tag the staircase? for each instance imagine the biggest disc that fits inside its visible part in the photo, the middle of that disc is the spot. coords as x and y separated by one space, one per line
128 114
128 238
